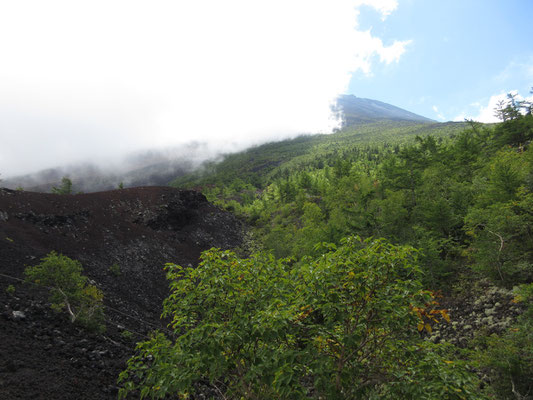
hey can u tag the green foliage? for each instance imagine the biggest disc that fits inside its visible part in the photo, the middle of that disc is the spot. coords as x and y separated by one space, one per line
260 165
460 193
341 325
65 188
69 289
10 290
517 126
127 335
431 372
115 270
501 222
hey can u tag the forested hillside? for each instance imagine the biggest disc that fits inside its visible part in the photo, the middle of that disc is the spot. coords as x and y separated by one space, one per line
450 205
261 165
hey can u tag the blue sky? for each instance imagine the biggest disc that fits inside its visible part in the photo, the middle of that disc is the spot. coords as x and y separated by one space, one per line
462 53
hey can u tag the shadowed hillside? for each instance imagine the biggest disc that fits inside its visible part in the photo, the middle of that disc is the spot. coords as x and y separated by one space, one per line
122 238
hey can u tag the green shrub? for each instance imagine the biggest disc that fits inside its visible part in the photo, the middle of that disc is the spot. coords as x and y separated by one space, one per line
69 289
65 188
115 270
342 325
10 290
126 335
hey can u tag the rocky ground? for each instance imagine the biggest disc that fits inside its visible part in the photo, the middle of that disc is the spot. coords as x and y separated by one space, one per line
486 310
122 238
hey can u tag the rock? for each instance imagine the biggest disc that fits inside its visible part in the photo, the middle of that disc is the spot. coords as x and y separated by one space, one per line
18 315
489 311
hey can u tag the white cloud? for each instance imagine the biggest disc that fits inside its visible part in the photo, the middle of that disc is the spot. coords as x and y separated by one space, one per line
385 7
485 111
440 116
95 79
393 52
519 68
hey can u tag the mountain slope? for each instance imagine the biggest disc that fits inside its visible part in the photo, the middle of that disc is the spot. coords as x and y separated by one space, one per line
258 164
138 230
357 110
158 167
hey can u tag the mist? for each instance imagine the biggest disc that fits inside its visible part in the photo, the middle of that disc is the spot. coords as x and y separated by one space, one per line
99 81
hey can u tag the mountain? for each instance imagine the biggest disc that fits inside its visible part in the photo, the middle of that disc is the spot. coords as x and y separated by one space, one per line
259 165
357 110
159 167
148 168
135 230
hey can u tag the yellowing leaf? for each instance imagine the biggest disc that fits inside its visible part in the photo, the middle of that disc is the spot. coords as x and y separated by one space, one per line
428 328
420 326
446 316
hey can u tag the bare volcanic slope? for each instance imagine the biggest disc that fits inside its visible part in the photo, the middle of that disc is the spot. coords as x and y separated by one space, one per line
137 230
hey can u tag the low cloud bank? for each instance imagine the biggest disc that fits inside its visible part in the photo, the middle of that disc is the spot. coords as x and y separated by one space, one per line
98 80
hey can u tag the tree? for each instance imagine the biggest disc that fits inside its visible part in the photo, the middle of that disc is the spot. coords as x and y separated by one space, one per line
517 126
342 325
69 289
65 188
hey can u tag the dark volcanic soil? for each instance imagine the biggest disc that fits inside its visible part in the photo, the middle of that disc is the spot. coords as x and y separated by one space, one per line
44 356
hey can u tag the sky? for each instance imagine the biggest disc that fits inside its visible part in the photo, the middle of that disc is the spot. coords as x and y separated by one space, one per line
463 56
93 81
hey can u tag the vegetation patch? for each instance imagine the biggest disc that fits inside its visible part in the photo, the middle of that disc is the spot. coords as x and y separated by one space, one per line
69 290
342 325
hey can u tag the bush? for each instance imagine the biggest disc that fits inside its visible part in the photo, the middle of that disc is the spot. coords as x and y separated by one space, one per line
126 335
115 270
10 290
69 289
65 188
342 325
